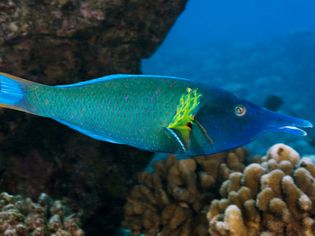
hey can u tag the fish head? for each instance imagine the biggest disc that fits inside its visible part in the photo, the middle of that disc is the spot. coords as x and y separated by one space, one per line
228 122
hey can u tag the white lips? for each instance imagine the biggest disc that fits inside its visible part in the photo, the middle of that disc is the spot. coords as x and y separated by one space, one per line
294 130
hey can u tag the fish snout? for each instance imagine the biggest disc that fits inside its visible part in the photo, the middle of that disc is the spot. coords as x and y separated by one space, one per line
288 124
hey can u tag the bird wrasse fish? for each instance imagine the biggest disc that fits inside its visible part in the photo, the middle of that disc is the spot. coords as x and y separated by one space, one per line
154 113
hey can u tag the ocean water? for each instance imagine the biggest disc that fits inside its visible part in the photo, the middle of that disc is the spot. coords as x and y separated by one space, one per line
255 49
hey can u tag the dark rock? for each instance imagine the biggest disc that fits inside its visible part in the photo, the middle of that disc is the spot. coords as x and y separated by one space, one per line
64 41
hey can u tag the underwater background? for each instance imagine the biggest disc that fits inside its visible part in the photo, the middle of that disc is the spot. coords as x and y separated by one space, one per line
56 181
258 50
262 51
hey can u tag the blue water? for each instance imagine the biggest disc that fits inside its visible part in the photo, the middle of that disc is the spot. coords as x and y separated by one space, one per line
242 22
251 48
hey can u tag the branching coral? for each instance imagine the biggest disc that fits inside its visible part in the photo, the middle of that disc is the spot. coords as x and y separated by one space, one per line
21 216
275 197
173 200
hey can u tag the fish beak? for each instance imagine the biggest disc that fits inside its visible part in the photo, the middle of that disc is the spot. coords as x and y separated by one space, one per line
295 130
288 124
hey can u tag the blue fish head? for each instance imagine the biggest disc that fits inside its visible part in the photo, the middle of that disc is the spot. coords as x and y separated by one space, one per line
229 122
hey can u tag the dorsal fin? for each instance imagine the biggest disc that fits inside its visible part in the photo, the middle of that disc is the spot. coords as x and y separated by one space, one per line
117 76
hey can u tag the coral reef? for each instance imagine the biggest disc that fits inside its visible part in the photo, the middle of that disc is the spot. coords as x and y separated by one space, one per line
64 41
173 199
21 216
275 197
94 176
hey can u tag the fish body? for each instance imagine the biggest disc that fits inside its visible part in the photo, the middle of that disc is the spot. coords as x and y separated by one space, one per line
154 113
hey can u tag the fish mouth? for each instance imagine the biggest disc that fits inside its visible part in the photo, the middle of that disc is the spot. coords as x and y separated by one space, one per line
289 124
294 130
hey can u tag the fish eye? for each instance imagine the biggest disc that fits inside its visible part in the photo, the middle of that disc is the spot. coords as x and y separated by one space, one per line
240 110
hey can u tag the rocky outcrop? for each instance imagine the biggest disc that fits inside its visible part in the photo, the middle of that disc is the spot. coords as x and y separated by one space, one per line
64 41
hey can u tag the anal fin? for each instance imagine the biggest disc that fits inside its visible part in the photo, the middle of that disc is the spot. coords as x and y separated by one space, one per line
87 132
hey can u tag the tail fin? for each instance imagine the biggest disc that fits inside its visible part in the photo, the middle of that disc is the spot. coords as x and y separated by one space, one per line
11 92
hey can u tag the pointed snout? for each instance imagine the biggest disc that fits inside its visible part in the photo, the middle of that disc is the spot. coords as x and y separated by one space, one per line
288 124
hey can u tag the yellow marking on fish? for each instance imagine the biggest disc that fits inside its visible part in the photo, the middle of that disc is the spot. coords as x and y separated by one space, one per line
184 117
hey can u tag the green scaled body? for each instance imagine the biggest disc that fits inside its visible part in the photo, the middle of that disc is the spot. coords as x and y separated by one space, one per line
132 110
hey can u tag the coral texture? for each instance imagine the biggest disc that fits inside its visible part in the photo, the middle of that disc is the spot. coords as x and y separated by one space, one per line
64 41
275 197
173 199
21 216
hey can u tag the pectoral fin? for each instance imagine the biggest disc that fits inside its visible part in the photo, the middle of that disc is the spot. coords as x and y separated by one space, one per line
180 138
200 140
204 132
184 137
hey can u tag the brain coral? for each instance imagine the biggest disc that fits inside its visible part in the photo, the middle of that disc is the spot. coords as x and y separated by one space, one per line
173 200
21 216
275 197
